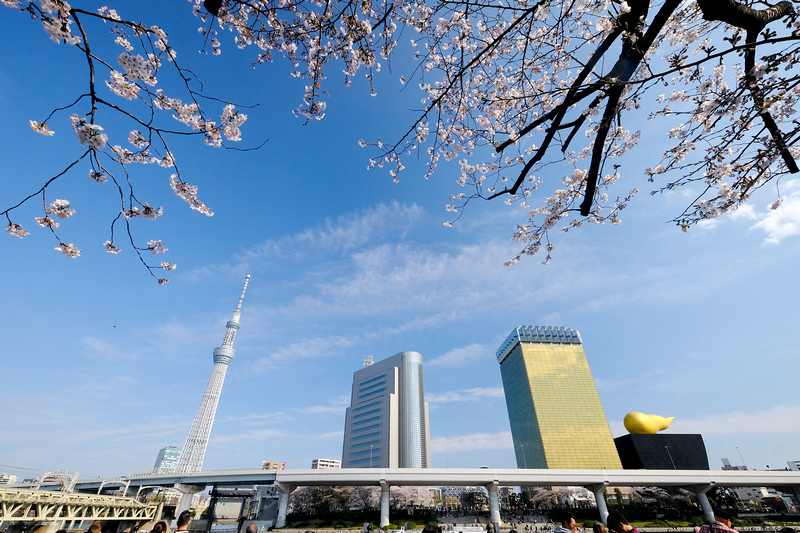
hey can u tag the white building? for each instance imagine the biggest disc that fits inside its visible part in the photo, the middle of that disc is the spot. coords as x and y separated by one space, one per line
386 425
7 479
325 463
167 460
746 494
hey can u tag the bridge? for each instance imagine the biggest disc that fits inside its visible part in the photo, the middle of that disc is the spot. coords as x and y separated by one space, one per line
25 505
698 481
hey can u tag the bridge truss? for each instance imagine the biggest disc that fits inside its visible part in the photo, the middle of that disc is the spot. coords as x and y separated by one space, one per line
22 505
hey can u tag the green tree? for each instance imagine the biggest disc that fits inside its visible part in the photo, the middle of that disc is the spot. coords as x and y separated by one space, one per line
526 497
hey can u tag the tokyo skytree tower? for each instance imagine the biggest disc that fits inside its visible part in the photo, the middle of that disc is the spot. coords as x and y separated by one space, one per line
194 450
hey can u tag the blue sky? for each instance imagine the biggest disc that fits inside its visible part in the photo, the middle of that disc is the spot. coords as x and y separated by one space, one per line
103 367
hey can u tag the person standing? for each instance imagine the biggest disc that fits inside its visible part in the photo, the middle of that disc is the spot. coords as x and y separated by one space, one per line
568 524
619 524
184 519
722 523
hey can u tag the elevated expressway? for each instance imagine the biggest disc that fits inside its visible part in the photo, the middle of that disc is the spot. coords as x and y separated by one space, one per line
698 481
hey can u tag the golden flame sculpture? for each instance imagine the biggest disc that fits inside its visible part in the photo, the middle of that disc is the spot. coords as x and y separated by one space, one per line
636 422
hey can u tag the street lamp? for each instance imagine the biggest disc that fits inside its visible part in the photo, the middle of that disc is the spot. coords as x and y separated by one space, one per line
670 457
740 457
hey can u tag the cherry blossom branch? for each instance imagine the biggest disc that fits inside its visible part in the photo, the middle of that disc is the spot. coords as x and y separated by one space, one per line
134 84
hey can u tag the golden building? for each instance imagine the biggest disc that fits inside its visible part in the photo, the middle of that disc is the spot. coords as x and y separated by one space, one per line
557 420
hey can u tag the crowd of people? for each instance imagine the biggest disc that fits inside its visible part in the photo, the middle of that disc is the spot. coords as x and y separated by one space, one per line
182 526
615 523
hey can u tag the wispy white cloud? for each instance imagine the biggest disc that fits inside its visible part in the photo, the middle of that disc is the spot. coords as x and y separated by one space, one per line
110 434
258 418
264 434
460 356
342 234
304 349
784 221
476 394
778 224
334 406
776 420
474 442
103 350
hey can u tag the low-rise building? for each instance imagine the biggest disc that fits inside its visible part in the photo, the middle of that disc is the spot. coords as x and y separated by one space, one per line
325 463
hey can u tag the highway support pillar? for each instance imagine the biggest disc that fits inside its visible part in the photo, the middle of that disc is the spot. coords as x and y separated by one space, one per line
494 505
284 490
187 493
708 513
384 504
600 497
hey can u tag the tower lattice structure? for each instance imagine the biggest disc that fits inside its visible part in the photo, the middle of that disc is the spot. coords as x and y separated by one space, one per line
194 450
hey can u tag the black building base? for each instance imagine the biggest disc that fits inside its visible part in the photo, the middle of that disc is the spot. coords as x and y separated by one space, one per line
662 452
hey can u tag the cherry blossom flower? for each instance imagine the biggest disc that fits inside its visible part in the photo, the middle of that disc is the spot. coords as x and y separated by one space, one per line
157 247
41 128
151 212
61 209
68 249
110 248
189 194
47 222
89 133
136 139
99 177
122 86
16 230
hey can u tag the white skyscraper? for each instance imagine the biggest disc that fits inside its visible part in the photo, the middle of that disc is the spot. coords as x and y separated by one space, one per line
194 450
167 460
386 425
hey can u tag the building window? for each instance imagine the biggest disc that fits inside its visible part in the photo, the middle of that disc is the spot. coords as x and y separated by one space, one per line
371 380
373 386
359 430
372 393
368 435
373 404
366 420
365 452
361 445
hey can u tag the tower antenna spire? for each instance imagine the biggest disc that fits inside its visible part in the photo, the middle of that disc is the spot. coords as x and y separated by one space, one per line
244 289
194 450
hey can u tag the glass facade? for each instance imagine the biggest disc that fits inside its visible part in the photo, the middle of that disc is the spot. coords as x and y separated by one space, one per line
167 460
557 420
386 425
